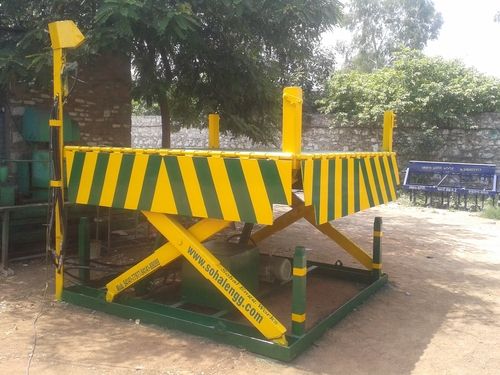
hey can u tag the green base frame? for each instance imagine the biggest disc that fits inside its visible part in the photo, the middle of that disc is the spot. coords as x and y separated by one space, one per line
223 330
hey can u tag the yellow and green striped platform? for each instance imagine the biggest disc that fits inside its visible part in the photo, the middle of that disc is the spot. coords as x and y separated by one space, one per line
233 186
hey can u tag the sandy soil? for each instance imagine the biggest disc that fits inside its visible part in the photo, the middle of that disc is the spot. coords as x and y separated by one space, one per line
440 313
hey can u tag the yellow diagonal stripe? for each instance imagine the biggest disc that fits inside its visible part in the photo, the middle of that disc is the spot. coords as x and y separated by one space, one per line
338 188
223 189
371 181
307 181
396 171
136 181
350 189
87 177
163 199
69 155
110 180
256 188
323 191
192 186
378 169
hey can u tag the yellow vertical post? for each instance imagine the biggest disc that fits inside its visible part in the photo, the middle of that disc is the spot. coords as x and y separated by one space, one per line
63 34
292 121
57 176
389 125
213 130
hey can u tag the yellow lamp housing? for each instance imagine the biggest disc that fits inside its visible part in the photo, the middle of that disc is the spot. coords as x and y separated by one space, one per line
65 34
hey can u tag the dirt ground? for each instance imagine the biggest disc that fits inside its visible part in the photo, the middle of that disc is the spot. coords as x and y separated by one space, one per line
439 314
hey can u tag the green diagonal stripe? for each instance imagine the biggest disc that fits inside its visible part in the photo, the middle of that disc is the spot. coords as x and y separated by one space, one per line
356 185
98 180
384 176
123 180
376 181
331 189
345 186
316 176
76 175
207 188
178 186
240 190
149 183
367 182
272 181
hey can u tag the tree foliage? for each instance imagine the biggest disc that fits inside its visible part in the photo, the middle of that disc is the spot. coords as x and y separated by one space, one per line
425 92
24 41
191 57
381 27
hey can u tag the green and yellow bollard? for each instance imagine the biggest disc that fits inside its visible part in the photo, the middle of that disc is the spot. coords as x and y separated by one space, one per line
377 254
299 291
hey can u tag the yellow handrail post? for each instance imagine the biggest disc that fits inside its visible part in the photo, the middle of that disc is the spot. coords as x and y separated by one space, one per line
63 34
389 125
213 131
292 121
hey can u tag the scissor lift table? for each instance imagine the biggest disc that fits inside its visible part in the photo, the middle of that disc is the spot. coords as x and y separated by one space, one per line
216 188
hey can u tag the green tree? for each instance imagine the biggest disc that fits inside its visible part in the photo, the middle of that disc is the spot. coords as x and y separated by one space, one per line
24 42
190 57
381 27
427 92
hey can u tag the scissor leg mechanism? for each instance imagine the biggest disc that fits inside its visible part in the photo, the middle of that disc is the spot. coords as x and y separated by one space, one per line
164 255
186 243
299 211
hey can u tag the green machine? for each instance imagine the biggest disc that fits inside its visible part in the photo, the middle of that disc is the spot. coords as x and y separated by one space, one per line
24 194
241 260
33 174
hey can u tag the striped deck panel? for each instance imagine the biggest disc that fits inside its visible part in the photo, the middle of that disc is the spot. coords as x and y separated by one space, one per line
338 186
229 188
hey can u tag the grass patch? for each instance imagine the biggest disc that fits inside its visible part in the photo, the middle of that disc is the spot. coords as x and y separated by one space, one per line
491 212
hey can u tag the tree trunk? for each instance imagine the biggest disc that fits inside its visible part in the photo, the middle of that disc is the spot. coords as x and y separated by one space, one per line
165 120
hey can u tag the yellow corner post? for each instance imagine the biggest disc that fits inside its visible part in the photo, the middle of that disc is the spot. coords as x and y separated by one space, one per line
292 122
389 125
213 130
63 34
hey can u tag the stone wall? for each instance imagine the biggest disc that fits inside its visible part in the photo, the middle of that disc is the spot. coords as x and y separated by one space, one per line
146 133
99 103
481 144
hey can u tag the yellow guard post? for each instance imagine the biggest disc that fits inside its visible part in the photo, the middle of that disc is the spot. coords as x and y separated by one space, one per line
213 131
389 125
63 34
292 122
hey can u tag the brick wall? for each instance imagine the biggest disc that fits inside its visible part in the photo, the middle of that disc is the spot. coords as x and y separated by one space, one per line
99 103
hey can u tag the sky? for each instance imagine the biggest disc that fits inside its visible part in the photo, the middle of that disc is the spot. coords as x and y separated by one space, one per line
468 34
